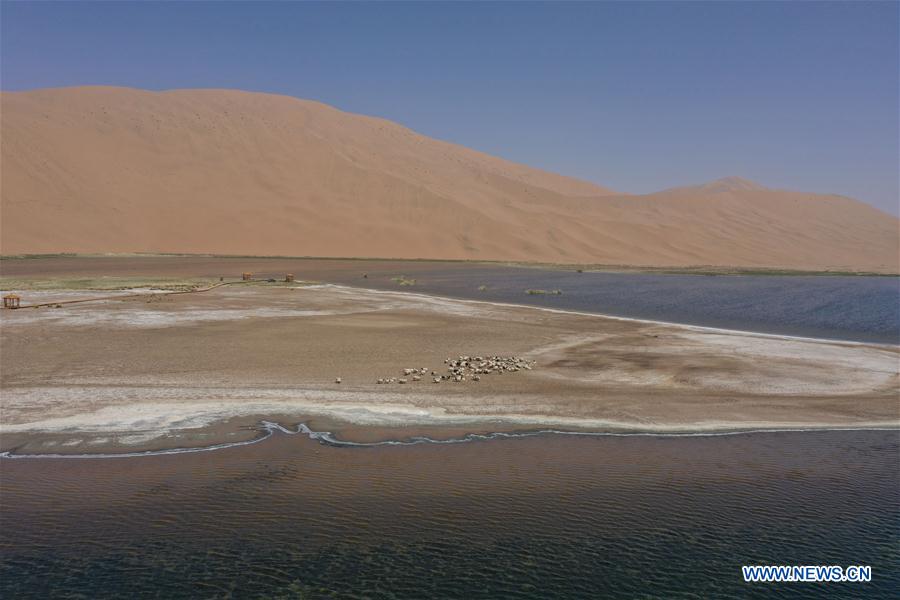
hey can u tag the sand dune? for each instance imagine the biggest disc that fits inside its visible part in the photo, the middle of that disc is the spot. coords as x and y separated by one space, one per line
100 169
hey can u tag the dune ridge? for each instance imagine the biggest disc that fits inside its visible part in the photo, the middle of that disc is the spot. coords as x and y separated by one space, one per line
101 169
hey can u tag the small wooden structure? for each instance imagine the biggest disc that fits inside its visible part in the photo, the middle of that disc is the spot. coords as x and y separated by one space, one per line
11 301
289 277
246 276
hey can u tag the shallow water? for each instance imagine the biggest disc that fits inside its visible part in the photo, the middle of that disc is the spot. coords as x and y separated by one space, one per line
538 517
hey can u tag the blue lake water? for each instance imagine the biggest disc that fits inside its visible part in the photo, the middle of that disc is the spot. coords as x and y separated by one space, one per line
865 309
530 518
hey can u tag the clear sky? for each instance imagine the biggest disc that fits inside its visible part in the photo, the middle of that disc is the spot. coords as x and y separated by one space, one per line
637 96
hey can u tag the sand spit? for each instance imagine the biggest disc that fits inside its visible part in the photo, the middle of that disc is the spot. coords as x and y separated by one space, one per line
132 374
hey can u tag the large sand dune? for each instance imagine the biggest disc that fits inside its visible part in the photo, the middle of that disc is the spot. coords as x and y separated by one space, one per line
100 169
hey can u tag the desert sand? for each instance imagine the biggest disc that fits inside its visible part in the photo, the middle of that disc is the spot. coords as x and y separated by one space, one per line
101 169
196 369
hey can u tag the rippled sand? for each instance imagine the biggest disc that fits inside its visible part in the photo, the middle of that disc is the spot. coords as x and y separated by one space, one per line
193 370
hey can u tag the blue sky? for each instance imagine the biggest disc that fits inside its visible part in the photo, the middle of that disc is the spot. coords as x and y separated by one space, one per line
637 96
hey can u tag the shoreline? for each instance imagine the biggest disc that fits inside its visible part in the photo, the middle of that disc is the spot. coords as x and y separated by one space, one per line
603 293
706 270
147 410
269 429
564 311
561 311
335 425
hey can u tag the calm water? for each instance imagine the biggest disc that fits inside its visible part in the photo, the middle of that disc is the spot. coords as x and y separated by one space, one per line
545 517
865 309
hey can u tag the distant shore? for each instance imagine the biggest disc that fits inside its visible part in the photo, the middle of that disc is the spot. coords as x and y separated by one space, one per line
610 268
796 305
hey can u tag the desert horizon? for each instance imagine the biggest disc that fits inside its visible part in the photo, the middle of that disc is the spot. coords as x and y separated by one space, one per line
122 168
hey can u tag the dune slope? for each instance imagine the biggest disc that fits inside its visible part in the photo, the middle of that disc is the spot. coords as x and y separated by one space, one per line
100 169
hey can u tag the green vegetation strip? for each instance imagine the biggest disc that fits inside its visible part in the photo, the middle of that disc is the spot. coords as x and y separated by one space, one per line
402 280
102 283
606 268
110 284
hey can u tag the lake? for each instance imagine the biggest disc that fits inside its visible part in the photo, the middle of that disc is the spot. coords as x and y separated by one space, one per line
551 516
858 308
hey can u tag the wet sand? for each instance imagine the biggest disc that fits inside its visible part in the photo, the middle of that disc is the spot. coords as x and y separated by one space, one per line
194 370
